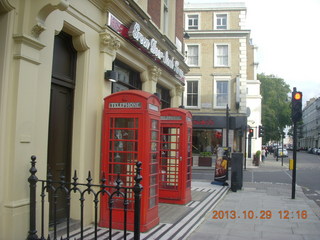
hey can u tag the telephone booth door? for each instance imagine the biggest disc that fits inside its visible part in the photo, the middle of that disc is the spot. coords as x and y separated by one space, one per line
175 156
131 124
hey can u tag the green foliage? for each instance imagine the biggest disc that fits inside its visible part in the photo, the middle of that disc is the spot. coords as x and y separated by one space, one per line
205 154
258 154
276 109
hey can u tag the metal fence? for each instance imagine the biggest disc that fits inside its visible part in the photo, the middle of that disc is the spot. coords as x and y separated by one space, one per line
82 189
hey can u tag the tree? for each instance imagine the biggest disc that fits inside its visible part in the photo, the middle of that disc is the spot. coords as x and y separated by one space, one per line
276 109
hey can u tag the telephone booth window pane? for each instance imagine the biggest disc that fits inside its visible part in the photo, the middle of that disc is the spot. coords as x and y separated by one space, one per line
189 160
153 202
123 152
154 149
125 122
154 136
154 157
170 142
153 180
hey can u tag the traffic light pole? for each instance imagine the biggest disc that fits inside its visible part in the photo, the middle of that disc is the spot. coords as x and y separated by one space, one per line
296 116
293 193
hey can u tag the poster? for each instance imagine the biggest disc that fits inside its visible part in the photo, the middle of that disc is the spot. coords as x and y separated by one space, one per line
221 166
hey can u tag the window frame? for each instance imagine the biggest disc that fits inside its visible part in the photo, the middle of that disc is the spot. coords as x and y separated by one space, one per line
187 27
192 79
216 80
166 18
215 60
215 19
199 56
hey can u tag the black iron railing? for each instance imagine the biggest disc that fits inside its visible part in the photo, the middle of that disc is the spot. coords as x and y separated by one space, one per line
83 189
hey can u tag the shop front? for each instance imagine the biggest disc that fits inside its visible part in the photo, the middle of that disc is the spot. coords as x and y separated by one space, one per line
210 133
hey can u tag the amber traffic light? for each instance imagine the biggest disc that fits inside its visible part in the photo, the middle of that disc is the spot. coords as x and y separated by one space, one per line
296 109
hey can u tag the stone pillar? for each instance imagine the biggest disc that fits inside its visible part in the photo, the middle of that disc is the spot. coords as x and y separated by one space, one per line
109 45
176 95
150 78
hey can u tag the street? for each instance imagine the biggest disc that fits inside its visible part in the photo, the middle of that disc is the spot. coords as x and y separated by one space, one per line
272 171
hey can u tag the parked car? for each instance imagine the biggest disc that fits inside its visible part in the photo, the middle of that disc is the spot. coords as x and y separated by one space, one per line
314 150
310 150
281 152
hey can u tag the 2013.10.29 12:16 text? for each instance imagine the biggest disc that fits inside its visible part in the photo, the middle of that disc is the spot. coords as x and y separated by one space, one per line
262 214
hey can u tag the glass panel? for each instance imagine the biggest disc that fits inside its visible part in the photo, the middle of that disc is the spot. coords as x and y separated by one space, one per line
206 140
154 157
153 179
124 122
154 124
154 135
125 134
169 175
154 146
152 191
154 168
123 157
123 152
152 202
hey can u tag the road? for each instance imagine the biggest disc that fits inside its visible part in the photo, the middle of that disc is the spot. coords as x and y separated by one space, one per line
308 173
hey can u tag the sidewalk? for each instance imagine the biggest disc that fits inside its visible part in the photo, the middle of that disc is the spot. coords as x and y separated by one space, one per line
176 221
258 211
261 211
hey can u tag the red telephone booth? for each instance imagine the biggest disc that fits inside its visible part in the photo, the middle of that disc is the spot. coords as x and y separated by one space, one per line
131 124
175 156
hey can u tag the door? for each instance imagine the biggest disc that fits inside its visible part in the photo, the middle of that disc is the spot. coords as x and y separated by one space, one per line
60 119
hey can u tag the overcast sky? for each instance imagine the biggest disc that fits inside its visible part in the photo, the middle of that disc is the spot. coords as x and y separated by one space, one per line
287 34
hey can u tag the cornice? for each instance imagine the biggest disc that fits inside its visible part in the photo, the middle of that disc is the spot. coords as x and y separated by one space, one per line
219 34
28 41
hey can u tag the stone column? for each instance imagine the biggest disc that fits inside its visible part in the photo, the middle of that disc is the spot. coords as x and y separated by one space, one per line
109 45
150 78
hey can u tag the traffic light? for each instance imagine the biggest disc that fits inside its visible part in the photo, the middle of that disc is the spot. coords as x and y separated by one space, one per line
250 132
261 131
296 106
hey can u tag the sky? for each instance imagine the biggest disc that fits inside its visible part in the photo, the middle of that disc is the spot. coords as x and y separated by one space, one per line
287 34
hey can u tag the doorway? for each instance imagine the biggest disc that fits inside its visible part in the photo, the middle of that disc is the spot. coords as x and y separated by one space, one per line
61 118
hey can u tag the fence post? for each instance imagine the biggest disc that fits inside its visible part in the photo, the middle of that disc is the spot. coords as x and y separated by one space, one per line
33 186
137 197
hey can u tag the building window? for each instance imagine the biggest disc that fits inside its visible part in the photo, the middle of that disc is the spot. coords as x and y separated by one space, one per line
221 21
206 140
221 55
193 55
165 16
164 95
192 94
128 78
221 92
192 22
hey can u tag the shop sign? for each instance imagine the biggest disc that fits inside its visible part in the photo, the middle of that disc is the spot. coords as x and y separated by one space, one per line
150 46
203 122
125 105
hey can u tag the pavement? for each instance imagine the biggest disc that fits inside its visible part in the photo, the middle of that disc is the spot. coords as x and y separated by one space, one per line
261 211
257 211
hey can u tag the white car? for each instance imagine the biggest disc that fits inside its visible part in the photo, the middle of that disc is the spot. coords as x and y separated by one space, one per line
282 152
